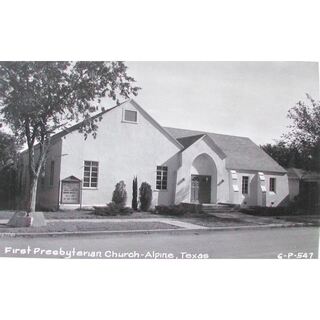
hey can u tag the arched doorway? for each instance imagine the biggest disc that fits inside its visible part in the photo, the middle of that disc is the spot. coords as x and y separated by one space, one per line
203 180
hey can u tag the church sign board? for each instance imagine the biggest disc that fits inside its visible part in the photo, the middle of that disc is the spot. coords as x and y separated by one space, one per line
70 190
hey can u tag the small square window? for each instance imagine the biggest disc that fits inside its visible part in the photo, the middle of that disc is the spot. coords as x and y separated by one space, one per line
130 115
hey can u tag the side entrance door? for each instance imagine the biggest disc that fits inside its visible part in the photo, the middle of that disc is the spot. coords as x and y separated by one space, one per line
200 189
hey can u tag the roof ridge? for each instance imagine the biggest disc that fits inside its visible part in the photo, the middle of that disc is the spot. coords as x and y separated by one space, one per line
241 152
207 132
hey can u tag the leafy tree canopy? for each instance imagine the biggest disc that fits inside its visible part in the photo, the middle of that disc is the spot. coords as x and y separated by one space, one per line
36 98
300 147
8 150
304 131
285 155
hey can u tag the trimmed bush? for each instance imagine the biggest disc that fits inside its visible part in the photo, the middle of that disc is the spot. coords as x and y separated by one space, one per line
126 211
145 198
119 196
112 209
175 210
135 193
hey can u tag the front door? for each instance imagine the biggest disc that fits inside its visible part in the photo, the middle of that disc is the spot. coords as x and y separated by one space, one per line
200 189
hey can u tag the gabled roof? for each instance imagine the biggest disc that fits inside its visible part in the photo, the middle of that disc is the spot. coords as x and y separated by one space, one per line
241 153
188 141
138 107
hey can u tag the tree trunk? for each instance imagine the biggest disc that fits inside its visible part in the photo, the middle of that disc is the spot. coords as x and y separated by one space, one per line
32 193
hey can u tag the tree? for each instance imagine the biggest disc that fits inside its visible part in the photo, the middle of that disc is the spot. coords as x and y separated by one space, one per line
285 155
8 170
304 133
8 150
145 196
119 196
37 98
135 193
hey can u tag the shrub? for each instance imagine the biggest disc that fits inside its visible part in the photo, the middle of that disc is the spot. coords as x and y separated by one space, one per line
175 210
112 209
126 211
119 196
145 192
135 193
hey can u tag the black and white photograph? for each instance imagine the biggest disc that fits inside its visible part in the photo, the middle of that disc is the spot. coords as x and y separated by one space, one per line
169 160
159 160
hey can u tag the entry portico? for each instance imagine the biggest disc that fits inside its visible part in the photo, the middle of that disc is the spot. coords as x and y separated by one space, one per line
202 175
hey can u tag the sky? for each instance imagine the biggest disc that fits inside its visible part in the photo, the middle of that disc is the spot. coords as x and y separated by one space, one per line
248 99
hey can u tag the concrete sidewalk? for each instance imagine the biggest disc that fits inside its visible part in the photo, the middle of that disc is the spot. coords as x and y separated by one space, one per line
170 227
213 222
197 229
180 224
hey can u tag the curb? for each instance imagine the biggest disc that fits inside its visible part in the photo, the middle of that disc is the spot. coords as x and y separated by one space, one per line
170 231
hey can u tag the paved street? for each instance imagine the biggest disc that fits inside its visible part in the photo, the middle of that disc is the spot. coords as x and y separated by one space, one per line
262 243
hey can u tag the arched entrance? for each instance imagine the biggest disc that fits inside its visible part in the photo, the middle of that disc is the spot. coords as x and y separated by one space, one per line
203 180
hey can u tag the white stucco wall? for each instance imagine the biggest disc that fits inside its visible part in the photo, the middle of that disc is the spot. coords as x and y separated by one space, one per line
256 196
249 199
220 192
281 196
123 150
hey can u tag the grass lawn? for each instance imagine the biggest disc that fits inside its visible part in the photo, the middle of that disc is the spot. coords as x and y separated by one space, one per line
205 220
80 214
62 226
86 214
212 221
